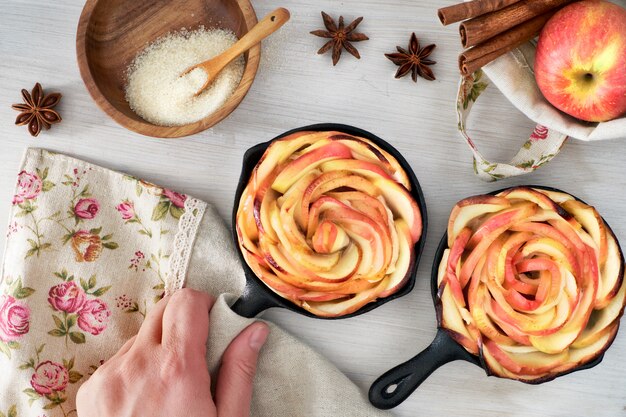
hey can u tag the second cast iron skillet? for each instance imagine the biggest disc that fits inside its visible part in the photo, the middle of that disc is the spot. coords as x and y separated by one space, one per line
257 296
397 384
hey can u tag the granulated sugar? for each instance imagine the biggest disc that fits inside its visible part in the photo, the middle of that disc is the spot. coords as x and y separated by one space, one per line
157 93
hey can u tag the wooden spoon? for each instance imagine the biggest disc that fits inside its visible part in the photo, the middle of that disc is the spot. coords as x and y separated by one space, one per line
212 67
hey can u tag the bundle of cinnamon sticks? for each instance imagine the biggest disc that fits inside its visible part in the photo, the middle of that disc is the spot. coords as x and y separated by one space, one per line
491 28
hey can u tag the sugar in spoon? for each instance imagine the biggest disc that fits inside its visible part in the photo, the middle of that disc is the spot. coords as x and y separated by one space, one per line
212 67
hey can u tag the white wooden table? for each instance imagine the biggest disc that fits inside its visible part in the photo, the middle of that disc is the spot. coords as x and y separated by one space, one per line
296 87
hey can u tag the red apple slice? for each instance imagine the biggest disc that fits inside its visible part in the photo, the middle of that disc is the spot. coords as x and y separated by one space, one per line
245 215
458 247
452 321
370 206
331 181
288 270
290 201
448 313
261 213
553 249
509 329
482 320
536 196
561 340
345 268
490 231
280 151
302 254
590 219
555 244
556 196
372 265
366 169
302 165
341 308
402 205
611 274
505 270
320 296
372 239
401 272
579 356
600 320
336 180
365 150
470 208
378 212
531 363
277 285
496 223
329 238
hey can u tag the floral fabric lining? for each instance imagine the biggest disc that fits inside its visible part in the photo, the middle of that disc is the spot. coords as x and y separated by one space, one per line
88 252
542 145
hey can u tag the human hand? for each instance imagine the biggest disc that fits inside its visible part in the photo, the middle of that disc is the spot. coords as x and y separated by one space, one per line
162 370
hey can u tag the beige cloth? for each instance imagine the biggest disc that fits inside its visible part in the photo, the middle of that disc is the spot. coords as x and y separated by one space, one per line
88 253
292 379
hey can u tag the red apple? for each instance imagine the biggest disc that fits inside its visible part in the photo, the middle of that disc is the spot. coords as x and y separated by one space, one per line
580 65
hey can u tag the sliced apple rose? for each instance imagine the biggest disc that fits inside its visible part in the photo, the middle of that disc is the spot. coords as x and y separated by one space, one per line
327 221
532 281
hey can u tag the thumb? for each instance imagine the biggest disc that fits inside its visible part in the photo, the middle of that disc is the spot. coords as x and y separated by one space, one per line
233 392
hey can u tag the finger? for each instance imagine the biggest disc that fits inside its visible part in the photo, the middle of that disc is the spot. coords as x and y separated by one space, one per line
236 375
152 327
186 321
125 348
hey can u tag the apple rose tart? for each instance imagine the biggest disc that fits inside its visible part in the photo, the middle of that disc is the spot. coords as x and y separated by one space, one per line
327 222
532 282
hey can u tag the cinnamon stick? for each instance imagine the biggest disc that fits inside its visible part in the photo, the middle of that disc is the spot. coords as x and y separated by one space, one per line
470 9
484 27
484 53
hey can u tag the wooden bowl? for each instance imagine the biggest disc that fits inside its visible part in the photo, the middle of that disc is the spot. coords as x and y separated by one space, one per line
112 32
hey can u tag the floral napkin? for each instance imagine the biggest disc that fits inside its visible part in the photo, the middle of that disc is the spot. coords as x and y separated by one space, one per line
88 253
513 75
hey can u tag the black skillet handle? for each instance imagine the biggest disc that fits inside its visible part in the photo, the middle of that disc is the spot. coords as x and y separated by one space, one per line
253 302
395 385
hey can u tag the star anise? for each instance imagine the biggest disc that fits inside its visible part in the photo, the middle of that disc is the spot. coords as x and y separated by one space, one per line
37 110
415 60
340 37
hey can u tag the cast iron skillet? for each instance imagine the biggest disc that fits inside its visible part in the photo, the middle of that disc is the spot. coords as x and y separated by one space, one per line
258 297
395 385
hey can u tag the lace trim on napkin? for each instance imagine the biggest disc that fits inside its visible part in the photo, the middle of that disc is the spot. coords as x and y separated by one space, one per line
183 244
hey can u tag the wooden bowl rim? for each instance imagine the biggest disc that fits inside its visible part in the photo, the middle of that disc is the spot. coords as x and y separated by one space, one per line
144 127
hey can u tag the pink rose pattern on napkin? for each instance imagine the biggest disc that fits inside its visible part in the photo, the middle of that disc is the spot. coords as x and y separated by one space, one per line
68 297
29 186
93 317
14 319
15 314
50 380
86 208
49 377
177 200
126 209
